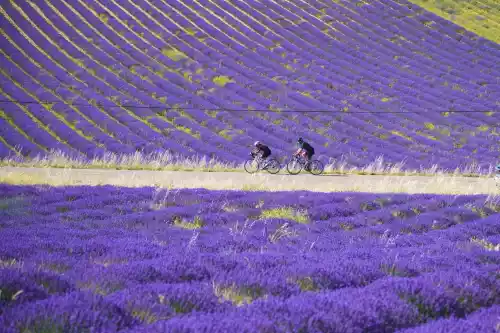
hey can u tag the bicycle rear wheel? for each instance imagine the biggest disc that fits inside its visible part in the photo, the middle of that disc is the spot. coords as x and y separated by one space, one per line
316 167
251 166
273 166
294 167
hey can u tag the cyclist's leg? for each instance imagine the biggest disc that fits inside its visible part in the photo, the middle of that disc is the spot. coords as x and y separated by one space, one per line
260 160
308 161
305 159
264 161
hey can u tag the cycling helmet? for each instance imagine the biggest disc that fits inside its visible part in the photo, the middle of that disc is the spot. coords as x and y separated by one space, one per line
300 140
256 143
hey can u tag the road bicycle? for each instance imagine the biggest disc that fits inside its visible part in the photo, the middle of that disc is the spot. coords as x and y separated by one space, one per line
297 163
271 165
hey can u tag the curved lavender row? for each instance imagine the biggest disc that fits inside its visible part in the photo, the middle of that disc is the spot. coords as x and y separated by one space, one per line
112 259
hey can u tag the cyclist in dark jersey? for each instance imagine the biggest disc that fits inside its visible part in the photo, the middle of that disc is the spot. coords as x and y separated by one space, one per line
261 150
305 150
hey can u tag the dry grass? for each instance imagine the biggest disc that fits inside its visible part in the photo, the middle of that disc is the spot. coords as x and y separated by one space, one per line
137 161
169 162
379 167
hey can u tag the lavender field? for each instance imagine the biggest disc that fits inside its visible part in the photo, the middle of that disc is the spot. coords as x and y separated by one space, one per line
209 77
377 86
111 259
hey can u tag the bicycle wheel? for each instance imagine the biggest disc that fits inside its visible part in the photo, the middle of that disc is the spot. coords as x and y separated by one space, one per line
251 166
293 167
273 166
316 167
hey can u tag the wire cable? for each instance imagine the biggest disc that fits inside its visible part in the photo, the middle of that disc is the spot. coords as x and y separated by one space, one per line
164 107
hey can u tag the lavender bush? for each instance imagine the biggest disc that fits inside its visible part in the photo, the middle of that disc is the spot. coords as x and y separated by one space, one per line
110 259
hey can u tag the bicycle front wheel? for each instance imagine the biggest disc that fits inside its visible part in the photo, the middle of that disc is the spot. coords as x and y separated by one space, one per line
273 166
316 167
294 167
251 166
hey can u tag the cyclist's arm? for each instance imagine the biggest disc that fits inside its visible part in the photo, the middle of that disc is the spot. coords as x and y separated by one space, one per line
257 152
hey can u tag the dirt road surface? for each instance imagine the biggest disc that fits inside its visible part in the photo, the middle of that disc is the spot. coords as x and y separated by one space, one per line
239 180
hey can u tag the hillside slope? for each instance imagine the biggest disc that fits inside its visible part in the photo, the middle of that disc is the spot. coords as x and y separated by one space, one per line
220 75
481 17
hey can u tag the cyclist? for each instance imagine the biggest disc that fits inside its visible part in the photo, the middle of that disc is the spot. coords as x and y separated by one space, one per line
497 175
260 150
305 150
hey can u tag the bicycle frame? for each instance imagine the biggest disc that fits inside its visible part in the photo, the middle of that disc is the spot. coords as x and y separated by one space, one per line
301 159
262 163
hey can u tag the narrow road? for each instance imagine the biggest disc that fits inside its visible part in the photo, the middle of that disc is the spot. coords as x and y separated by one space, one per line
261 181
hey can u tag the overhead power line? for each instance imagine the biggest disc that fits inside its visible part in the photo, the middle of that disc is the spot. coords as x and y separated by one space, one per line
164 107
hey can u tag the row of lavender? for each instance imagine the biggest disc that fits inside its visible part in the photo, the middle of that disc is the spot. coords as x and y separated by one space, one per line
108 259
368 71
